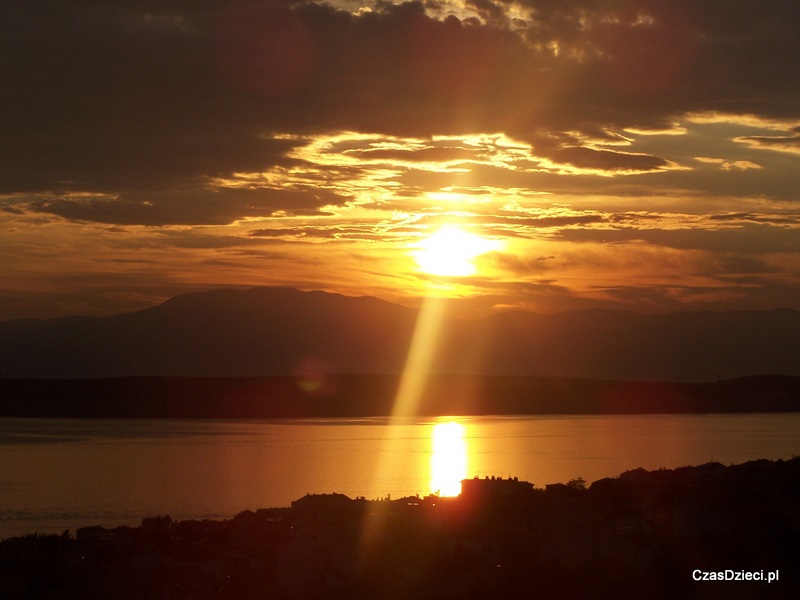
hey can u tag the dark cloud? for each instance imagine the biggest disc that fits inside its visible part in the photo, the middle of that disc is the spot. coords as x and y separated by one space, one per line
736 267
775 219
782 143
489 11
748 238
322 233
317 233
725 55
218 206
8 208
434 154
140 101
606 160
547 221
509 222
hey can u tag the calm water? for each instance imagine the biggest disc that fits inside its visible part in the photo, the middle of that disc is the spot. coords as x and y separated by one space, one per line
64 474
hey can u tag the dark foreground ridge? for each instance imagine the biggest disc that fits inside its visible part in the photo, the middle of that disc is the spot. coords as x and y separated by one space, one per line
333 395
654 535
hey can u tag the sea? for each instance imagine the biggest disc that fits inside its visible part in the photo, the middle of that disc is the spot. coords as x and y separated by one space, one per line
59 475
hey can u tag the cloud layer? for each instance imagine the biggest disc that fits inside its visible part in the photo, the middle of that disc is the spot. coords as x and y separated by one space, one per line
302 123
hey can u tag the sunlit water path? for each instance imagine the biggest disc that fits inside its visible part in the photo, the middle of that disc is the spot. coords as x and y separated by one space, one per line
63 474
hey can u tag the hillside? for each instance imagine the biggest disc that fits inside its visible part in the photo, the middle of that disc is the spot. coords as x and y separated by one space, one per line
280 331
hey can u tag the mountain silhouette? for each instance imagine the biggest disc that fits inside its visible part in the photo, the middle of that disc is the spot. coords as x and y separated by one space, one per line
283 331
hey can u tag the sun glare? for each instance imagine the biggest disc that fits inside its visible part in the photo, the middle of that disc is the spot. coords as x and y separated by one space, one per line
449 459
451 252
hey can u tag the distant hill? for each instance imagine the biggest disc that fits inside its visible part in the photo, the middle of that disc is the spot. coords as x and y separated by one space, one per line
281 331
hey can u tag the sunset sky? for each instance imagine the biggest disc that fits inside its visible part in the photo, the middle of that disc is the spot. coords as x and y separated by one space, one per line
538 154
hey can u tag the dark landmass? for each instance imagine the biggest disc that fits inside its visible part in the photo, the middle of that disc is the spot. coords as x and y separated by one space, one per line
373 395
642 535
281 331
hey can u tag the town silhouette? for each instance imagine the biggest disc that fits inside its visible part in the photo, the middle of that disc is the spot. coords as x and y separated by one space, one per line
644 534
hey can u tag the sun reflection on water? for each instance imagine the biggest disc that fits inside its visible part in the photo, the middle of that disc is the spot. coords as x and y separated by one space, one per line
449 458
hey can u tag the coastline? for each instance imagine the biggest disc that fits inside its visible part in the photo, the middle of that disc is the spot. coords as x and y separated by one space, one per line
641 534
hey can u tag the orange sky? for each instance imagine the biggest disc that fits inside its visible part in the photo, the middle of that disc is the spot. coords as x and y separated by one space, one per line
637 155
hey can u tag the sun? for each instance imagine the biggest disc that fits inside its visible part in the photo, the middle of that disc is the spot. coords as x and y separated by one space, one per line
451 252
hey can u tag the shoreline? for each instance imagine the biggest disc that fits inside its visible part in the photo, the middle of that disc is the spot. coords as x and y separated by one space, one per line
639 533
688 474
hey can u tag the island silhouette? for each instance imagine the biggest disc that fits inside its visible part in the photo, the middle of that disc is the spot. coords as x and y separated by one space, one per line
364 395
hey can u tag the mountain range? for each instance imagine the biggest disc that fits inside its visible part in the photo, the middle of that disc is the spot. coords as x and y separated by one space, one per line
272 331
